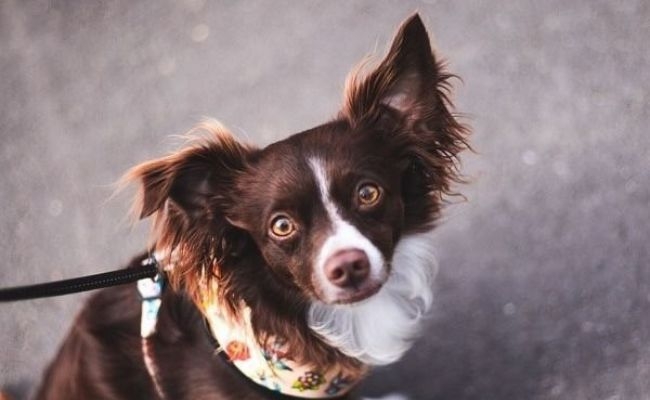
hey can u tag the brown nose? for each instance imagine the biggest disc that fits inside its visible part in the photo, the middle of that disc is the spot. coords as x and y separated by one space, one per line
347 268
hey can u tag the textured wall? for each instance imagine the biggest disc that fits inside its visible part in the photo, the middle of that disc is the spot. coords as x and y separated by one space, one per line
544 289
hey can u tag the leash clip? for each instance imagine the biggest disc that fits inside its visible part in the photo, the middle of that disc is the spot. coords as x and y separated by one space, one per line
150 290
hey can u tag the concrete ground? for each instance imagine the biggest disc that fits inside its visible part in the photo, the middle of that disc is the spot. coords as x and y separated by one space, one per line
544 287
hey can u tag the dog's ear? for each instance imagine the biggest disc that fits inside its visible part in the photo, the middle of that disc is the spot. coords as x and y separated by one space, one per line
193 182
405 82
189 194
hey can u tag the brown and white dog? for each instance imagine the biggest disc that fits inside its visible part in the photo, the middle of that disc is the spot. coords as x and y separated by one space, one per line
316 247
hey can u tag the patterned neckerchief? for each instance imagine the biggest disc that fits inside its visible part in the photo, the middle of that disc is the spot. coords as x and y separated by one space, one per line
269 367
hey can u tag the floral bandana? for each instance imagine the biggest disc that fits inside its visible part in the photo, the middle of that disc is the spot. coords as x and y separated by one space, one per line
270 367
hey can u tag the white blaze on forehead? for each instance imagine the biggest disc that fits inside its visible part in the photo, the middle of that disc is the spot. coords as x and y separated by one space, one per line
344 236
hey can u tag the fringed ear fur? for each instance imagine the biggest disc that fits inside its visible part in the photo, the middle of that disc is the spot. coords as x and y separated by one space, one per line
407 94
402 81
188 193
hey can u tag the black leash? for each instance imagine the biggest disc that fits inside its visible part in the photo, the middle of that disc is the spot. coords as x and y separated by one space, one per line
148 269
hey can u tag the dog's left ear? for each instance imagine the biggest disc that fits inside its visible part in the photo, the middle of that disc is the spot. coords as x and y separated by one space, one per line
405 82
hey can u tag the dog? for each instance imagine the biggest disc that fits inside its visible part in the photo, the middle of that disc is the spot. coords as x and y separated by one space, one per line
291 269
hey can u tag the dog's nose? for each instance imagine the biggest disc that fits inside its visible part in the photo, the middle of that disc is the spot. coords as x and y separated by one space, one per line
347 268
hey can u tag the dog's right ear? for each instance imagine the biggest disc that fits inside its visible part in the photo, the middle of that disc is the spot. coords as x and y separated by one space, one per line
188 192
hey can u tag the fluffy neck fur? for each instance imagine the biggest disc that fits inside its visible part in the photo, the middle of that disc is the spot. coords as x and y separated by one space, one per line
381 329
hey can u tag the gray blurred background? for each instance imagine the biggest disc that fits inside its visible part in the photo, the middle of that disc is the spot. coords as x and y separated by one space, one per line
544 287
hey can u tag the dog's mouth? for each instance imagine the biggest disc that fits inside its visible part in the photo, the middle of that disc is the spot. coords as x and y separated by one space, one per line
352 295
359 295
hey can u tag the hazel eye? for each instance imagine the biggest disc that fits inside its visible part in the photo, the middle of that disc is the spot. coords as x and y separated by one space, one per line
282 226
368 194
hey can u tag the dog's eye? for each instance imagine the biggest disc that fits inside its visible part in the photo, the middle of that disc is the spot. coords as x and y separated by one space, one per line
368 194
282 226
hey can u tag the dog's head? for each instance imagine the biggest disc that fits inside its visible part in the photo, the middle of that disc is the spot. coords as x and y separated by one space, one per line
317 217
